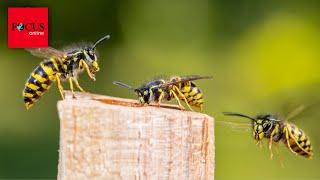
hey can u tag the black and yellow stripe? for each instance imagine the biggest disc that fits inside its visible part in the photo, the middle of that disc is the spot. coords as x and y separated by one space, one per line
192 93
297 140
39 82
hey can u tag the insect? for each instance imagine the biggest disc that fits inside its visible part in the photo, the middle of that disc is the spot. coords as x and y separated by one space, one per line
176 87
271 127
60 66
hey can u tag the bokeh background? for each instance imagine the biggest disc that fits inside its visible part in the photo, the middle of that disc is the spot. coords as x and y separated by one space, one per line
264 56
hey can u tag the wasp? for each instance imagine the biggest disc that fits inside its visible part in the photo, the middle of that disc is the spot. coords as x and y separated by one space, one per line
60 66
271 127
176 87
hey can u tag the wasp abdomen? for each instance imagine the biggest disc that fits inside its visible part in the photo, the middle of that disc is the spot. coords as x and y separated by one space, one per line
192 93
298 141
39 82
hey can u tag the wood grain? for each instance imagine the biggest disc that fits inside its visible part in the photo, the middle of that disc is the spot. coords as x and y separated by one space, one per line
104 137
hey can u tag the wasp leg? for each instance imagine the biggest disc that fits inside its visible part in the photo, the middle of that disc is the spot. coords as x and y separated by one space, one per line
160 98
201 108
88 70
281 159
78 85
71 87
259 144
270 143
176 97
184 98
287 139
60 87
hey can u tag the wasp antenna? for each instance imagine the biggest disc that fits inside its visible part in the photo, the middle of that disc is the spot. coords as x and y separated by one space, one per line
238 114
122 85
100 40
208 77
201 77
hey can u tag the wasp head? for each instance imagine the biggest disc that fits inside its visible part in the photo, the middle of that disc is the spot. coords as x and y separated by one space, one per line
90 55
262 126
90 59
144 95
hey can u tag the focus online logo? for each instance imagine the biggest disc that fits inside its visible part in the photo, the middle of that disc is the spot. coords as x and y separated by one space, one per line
31 28
27 27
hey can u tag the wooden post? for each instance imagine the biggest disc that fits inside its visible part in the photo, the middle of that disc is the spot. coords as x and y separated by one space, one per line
111 138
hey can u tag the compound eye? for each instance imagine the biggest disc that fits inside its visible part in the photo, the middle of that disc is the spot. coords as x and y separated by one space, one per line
266 126
145 93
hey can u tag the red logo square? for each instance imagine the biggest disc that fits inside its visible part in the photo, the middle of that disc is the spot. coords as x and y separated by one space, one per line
27 27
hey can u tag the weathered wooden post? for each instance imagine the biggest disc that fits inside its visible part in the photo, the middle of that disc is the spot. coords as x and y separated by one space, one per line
111 138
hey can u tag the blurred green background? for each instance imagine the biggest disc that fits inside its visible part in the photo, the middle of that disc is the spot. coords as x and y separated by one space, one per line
264 56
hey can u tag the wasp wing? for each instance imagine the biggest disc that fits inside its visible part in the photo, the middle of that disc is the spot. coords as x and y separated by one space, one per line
295 112
46 52
236 126
185 79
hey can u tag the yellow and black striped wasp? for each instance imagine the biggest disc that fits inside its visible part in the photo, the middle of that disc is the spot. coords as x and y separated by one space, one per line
275 129
60 66
176 87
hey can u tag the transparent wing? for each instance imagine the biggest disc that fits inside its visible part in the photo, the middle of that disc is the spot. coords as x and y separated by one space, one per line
186 79
237 126
295 112
46 52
